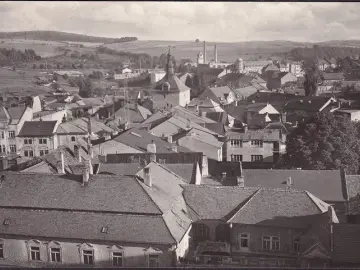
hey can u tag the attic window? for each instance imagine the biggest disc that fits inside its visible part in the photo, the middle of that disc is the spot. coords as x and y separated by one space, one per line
104 229
6 222
135 134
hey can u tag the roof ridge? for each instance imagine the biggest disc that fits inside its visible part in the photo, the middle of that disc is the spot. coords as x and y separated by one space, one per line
168 170
312 198
248 201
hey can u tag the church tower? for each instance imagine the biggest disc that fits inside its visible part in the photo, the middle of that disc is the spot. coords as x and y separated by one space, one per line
200 58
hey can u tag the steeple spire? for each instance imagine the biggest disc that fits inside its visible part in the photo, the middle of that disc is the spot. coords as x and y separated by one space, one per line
170 65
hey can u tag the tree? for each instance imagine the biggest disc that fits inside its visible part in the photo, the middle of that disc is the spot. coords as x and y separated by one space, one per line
324 142
196 82
55 86
55 77
312 77
85 88
189 81
41 66
65 76
34 66
197 40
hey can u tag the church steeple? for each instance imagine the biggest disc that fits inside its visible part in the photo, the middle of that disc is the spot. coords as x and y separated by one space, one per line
170 65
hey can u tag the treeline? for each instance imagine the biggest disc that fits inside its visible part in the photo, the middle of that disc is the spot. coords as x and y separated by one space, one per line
124 39
11 56
299 54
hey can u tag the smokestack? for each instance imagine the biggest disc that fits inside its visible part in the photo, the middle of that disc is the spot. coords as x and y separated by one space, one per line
215 54
240 178
204 52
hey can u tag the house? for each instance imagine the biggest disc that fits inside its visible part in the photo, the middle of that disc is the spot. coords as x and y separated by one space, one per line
70 73
208 76
353 198
157 75
245 92
254 227
172 89
235 80
332 77
191 135
190 115
270 68
258 114
255 66
204 105
131 113
323 64
12 121
354 115
332 62
137 221
137 140
224 94
261 145
37 138
57 116
296 69
276 80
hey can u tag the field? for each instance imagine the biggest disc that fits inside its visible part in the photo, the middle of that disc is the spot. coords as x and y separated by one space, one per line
190 49
20 81
42 48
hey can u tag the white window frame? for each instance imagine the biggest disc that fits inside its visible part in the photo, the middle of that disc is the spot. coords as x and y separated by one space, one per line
244 236
26 153
267 241
2 148
202 229
113 257
272 241
234 143
73 139
257 143
2 134
88 255
12 147
11 134
33 244
236 158
42 140
52 245
296 245
257 158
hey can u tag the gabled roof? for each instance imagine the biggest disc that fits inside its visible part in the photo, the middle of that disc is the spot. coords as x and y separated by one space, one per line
139 139
135 112
310 104
187 171
245 91
206 70
119 168
178 110
38 129
313 181
60 192
241 80
176 85
219 117
221 91
16 113
204 103
80 126
265 135
279 207
208 94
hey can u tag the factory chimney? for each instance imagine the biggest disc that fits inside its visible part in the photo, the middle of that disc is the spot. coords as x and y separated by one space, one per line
204 52
215 54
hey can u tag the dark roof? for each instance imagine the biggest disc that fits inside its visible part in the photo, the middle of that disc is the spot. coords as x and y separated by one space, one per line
37 129
176 85
313 181
16 112
103 193
208 94
185 170
70 225
279 207
219 117
267 135
240 80
333 76
139 139
311 104
218 128
119 168
134 112
354 206
206 70
346 243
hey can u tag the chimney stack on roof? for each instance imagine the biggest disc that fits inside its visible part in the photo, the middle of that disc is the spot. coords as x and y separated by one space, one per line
147 177
151 148
289 182
174 148
204 166
85 175
240 178
61 164
170 139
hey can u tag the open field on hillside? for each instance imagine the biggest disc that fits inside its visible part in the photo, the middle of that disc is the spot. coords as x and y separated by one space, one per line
20 81
189 49
42 48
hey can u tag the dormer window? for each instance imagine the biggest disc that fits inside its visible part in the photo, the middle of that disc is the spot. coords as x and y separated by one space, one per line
166 87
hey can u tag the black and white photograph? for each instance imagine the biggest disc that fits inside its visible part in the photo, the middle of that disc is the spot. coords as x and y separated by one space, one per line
179 134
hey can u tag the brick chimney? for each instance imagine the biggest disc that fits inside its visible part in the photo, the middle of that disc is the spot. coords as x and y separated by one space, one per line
240 178
147 177
61 164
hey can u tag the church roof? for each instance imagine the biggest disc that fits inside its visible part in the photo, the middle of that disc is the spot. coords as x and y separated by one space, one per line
176 85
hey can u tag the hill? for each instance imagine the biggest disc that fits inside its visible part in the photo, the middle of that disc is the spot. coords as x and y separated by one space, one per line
61 36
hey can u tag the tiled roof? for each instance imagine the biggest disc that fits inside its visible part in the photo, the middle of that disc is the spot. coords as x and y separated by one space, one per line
102 193
203 103
136 113
354 206
178 110
70 128
313 181
187 171
312 104
218 128
240 80
119 168
221 91
139 139
4 115
80 125
215 202
176 85
206 70
245 91
333 76
38 129
352 185
16 113
70 225
278 207
218 117
208 94
346 243
258 134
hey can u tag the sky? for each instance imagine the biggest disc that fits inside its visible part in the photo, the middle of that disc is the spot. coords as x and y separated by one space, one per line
211 21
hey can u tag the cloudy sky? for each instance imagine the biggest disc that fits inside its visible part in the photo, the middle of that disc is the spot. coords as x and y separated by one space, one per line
213 21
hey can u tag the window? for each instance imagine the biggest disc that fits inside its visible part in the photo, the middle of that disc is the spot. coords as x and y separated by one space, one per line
153 260
203 230
1 251
12 148
2 135
43 152
42 141
256 158
73 138
88 256
257 143
55 254
35 253
11 134
26 153
235 143
27 141
296 245
237 158
271 243
266 242
2 149
244 240
117 258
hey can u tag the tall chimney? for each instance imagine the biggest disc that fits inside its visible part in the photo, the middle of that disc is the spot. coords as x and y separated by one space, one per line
85 175
89 164
240 178
62 162
204 52
215 54
204 166
147 177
